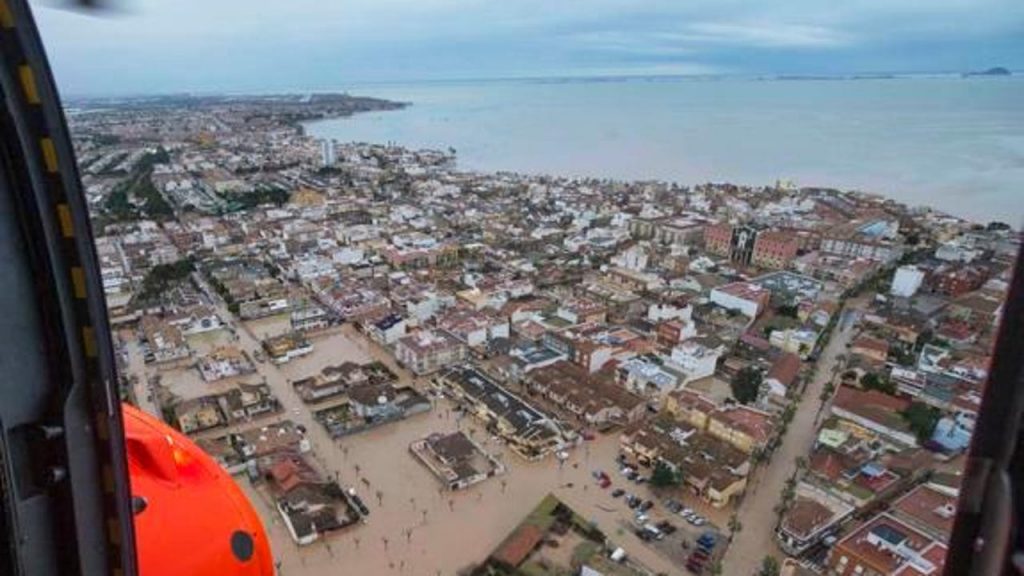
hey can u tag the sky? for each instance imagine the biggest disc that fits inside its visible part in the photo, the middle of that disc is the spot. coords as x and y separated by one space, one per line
161 46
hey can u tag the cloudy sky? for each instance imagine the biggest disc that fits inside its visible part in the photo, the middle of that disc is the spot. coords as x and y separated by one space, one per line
150 46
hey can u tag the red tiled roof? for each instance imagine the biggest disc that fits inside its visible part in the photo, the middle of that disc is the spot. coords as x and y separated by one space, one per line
518 545
785 369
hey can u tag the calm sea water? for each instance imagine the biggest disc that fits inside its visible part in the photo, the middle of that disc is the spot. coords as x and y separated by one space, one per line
956 144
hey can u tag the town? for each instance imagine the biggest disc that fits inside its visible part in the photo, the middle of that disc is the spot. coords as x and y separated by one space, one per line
412 368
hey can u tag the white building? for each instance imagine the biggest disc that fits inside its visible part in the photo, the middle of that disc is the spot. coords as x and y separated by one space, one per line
694 360
906 281
635 258
327 152
660 312
746 298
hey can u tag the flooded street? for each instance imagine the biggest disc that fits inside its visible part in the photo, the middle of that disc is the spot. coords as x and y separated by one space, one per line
414 526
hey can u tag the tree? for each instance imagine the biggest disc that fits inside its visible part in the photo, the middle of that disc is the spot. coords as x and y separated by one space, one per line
872 381
663 476
770 567
921 418
735 526
746 385
787 310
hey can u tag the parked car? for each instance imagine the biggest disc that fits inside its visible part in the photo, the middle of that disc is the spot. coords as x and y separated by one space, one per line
618 492
643 535
654 531
708 538
673 506
647 505
604 482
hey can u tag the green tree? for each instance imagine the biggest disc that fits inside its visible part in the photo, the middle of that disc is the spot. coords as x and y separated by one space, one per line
663 476
735 526
787 310
921 418
770 567
872 381
746 385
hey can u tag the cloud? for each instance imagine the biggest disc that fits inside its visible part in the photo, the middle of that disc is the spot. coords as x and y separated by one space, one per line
160 45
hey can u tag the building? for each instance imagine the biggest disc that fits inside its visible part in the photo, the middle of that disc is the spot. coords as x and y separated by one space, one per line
906 281
875 412
287 347
327 153
799 341
774 249
332 381
165 341
928 507
224 362
746 428
387 330
814 514
886 546
530 433
694 360
718 239
456 460
782 375
743 297
429 351
647 378
873 350
260 442
591 399
709 468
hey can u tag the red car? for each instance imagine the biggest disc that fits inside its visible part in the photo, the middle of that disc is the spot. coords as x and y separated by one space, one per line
604 482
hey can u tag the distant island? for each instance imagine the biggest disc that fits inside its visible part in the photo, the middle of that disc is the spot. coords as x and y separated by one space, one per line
996 71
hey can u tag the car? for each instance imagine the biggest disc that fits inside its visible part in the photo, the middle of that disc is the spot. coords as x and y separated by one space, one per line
667 527
654 531
359 504
700 554
647 505
643 535
640 479
604 482
686 512
641 518
597 474
673 506
630 475
699 521
618 492
708 538
633 502
695 568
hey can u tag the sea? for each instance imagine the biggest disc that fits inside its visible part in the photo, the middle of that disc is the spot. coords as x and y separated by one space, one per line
949 142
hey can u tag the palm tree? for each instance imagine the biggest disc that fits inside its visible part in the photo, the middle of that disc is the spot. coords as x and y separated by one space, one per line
735 526
770 567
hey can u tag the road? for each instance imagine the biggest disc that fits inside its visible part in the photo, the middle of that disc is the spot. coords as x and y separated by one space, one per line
756 513
142 391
